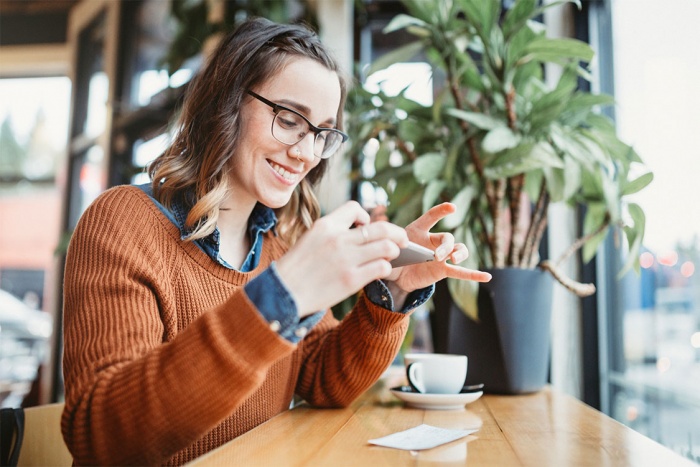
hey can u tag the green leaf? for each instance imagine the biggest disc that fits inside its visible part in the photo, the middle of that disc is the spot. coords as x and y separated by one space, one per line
570 145
517 16
515 48
549 107
611 195
533 183
420 9
462 201
635 236
524 10
482 14
479 120
499 139
381 158
572 178
465 295
637 184
595 216
409 207
453 153
402 54
402 21
580 107
546 49
432 193
555 183
428 166
524 158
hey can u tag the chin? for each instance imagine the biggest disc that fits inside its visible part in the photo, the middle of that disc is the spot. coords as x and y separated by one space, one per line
276 202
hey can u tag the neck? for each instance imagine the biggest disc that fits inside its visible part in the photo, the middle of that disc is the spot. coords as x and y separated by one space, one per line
233 230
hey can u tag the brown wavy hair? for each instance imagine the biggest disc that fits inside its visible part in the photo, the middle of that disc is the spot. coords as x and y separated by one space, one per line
208 129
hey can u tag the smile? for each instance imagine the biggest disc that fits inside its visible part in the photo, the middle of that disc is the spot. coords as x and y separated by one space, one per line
284 173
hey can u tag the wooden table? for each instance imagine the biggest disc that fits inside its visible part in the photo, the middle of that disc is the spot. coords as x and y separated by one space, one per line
547 428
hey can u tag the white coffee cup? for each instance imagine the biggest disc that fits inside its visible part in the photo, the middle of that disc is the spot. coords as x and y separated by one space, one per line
432 373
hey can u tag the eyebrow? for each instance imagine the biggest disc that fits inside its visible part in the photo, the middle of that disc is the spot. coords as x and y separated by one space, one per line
303 109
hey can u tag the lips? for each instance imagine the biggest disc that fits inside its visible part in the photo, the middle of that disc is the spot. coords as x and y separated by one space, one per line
291 177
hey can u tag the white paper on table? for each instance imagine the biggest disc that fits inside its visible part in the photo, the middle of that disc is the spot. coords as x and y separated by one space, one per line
421 437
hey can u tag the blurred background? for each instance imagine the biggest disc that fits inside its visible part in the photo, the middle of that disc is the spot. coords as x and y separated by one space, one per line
87 88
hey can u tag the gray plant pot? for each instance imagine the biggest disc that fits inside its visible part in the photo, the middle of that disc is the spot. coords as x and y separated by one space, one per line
508 349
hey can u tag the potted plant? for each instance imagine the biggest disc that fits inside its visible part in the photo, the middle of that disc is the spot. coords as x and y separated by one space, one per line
502 145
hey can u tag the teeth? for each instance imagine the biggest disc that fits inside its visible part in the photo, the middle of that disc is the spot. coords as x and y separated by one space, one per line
283 172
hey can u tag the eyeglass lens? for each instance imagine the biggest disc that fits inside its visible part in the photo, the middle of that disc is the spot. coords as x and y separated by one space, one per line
290 128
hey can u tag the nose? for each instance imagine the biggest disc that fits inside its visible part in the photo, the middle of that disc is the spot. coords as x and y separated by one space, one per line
304 149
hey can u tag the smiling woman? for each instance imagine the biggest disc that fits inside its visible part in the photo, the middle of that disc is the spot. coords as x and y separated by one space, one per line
204 294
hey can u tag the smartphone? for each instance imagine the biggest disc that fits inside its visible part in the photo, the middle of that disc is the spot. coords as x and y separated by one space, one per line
413 254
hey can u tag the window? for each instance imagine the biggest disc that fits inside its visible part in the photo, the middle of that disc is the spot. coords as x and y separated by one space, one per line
651 373
33 133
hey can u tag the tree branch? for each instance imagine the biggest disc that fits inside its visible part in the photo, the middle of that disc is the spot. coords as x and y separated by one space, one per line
582 241
498 233
515 188
539 231
403 147
579 288
526 253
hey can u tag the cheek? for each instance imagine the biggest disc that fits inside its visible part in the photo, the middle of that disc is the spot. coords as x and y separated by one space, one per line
254 130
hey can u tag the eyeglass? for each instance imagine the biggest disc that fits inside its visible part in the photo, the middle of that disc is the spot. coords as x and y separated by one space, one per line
289 127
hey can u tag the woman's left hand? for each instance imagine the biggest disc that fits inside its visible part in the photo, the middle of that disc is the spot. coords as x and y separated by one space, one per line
421 275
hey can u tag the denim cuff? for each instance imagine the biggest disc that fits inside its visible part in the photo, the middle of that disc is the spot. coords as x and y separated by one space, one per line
277 306
378 293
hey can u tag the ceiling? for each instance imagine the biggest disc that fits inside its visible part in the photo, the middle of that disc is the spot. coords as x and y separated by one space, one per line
33 7
33 22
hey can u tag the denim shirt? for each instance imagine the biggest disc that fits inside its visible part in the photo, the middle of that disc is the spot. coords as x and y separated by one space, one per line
267 291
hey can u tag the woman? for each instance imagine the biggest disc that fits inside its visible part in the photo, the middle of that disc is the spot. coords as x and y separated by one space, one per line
195 307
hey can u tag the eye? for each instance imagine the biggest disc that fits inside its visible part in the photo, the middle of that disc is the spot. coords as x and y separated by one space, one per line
289 120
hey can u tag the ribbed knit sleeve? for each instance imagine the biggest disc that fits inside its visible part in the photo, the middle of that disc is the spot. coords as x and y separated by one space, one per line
158 351
343 361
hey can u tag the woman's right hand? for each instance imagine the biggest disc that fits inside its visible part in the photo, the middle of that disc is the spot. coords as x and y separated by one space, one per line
332 261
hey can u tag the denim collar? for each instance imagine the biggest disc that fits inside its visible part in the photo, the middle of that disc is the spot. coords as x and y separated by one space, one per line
261 220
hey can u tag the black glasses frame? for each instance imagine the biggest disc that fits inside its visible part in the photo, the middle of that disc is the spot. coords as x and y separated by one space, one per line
276 108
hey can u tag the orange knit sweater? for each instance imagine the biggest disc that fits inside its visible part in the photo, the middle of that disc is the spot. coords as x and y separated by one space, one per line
165 357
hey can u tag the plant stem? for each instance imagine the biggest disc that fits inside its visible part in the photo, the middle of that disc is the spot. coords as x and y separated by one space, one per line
403 147
483 236
498 230
491 194
515 189
579 288
539 231
582 241
535 219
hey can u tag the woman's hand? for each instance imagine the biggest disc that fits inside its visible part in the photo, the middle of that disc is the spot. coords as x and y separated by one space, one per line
332 261
418 276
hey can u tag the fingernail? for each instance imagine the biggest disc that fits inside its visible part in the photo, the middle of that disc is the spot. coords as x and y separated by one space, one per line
441 252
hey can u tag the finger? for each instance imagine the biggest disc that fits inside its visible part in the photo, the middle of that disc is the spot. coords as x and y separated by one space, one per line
374 270
428 220
381 230
348 214
378 249
458 272
378 213
446 243
459 253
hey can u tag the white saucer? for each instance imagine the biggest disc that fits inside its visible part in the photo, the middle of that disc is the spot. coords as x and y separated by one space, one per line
435 401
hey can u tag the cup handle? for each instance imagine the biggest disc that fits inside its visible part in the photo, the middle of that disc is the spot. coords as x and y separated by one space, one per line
412 379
